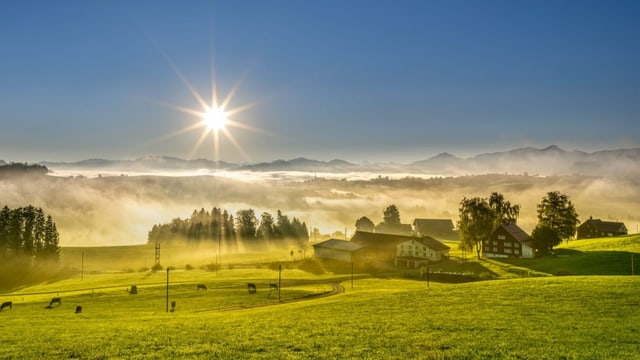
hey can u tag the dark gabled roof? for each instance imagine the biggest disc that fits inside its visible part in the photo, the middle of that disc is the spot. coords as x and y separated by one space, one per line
440 224
517 233
603 226
391 240
342 245
432 243
379 239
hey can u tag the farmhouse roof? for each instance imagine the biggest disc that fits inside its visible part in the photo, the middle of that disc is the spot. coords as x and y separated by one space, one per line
379 239
518 234
336 244
432 243
391 240
435 224
604 226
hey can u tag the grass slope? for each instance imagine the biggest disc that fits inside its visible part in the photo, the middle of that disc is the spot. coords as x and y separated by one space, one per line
533 318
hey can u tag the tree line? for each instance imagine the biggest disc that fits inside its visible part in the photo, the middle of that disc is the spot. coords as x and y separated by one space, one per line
28 232
480 217
245 229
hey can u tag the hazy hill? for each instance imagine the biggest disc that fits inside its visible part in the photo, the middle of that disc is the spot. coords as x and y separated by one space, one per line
551 160
146 163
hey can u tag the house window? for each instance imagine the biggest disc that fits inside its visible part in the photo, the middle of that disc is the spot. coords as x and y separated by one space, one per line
507 244
501 237
507 251
517 245
495 249
495 242
517 251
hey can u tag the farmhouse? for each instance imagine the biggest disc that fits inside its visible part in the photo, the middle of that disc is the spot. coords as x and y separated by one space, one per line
508 241
438 228
594 228
402 250
335 249
419 251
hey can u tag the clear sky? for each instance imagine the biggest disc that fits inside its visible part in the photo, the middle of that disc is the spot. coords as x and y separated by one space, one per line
356 80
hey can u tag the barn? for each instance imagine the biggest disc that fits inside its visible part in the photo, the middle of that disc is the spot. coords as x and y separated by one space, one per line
336 249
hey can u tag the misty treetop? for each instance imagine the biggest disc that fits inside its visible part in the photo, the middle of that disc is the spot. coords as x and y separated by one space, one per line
232 233
14 169
28 232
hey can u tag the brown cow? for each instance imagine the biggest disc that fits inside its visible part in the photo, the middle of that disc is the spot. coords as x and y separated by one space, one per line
6 304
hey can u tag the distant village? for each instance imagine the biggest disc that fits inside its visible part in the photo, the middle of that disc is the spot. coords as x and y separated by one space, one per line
417 244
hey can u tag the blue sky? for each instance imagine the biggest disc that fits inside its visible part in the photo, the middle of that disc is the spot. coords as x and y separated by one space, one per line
357 80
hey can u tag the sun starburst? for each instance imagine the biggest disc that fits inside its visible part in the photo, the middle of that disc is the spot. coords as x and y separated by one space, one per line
213 117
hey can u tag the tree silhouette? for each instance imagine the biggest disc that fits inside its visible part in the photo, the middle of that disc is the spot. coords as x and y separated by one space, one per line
365 224
557 212
476 223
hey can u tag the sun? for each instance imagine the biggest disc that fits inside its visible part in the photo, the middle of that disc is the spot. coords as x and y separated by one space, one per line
215 118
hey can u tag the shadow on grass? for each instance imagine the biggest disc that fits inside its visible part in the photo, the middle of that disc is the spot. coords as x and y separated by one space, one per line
574 262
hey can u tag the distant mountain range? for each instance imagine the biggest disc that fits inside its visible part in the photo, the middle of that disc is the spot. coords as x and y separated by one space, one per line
551 160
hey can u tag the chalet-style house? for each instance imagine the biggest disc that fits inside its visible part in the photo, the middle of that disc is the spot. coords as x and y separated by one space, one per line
437 228
402 250
509 241
342 250
594 228
419 251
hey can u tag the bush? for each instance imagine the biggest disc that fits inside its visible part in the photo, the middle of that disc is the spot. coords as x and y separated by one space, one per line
312 266
188 267
156 267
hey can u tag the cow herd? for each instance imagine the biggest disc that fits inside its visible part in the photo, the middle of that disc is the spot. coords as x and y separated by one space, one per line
57 301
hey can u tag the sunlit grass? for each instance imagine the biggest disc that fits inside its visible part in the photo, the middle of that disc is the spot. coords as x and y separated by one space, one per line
538 318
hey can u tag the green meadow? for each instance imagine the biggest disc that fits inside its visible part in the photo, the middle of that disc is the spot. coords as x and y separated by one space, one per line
516 315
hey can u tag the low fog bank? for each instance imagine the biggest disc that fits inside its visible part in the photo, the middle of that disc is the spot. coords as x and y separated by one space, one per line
120 210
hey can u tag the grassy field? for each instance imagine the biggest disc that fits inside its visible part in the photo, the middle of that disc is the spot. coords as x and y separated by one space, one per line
534 318
527 314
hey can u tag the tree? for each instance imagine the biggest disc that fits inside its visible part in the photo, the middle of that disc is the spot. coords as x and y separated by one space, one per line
391 216
365 224
266 230
246 224
476 223
503 212
545 238
557 212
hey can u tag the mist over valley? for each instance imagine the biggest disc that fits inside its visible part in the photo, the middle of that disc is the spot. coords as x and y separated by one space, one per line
103 202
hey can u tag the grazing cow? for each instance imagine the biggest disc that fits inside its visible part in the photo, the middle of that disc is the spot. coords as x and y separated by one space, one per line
273 286
252 288
55 301
78 309
134 290
173 306
6 304
201 287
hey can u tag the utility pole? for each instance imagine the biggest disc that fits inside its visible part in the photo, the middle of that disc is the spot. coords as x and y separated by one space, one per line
167 288
82 268
279 280
352 273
